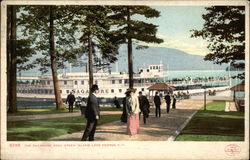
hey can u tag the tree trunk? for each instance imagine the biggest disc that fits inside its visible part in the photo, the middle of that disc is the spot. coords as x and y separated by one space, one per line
130 54
91 77
11 57
59 102
8 52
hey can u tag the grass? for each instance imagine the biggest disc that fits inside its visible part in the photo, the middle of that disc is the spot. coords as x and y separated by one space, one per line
214 124
38 111
41 130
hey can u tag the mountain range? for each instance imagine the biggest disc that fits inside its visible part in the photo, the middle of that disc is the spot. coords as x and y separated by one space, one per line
172 59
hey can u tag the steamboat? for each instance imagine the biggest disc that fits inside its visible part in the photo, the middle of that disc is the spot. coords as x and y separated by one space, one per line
111 84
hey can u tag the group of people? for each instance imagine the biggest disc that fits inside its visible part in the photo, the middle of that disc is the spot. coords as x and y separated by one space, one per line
133 107
157 102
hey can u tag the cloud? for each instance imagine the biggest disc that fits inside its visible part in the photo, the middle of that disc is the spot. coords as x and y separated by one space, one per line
189 45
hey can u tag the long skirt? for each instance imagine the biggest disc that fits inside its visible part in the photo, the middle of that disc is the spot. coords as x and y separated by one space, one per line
133 124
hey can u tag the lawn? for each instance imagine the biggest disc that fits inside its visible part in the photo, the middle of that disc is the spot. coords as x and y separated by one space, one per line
214 124
41 130
37 111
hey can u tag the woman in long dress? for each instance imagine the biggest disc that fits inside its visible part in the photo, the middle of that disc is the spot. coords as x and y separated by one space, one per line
133 110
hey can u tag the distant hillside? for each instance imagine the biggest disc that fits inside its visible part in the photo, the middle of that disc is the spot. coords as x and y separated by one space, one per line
172 59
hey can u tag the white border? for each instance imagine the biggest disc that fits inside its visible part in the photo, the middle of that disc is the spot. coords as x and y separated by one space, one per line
128 150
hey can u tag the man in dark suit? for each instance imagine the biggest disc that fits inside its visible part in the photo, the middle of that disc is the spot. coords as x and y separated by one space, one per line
168 101
144 106
70 100
157 101
92 114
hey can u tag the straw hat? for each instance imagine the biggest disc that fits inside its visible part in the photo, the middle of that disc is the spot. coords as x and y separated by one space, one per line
130 90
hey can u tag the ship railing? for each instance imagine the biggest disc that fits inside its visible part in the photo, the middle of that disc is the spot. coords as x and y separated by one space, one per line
192 82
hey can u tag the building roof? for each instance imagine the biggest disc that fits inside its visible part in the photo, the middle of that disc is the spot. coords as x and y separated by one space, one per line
238 87
161 87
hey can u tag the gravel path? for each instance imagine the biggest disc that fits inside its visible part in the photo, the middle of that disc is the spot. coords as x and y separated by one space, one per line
156 129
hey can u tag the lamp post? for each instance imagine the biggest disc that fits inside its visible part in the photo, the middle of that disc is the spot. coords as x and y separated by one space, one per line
204 97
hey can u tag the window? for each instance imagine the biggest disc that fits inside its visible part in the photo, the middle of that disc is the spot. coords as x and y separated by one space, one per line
96 82
67 91
120 81
120 90
153 67
60 91
82 82
126 81
156 67
113 81
75 82
112 90
147 70
48 82
51 91
65 82
142 89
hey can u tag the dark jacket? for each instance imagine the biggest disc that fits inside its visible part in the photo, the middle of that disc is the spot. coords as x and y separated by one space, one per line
70 99
168 99
92 109
124 111
144 104
157 100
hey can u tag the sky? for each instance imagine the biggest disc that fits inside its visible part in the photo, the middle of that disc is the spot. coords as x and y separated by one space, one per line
174 27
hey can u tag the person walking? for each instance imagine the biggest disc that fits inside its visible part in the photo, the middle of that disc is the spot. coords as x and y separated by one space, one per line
92 114
124 109
157 102
168 101
174 102
70 100
133 110
116 103
144 106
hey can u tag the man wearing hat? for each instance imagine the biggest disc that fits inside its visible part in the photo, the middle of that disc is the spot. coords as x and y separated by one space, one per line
92 114
70 99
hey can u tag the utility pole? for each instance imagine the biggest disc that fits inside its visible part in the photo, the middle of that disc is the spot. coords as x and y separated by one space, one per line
205 98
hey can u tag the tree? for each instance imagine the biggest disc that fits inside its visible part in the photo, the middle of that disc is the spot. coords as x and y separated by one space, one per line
96 37
49 34
224 29
11 59
53 60
19 50
131 30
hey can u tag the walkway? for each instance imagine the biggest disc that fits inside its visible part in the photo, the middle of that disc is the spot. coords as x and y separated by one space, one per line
57 115
156 129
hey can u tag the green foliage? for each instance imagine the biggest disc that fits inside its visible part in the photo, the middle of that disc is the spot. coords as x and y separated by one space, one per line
224 29
135 29
23 42
214 124
93 22
40 130
35 21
